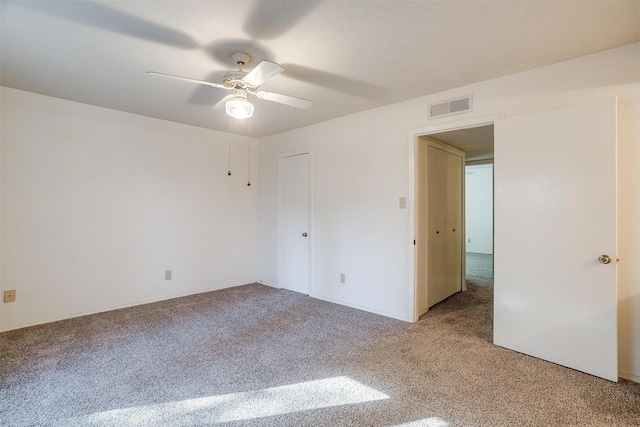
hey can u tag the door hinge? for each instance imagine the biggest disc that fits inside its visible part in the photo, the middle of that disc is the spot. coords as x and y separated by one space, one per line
414 241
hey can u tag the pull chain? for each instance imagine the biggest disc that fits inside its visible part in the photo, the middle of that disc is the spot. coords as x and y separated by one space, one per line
249 162
229 170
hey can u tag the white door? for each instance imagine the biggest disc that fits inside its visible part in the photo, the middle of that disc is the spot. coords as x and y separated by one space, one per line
555 197
294 223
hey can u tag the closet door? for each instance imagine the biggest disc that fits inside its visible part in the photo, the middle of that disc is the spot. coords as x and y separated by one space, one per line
436 216
453 227
444 222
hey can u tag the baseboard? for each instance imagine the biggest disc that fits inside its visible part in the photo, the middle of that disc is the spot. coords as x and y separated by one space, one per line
117 307
262 282
361 307
628 376
421 312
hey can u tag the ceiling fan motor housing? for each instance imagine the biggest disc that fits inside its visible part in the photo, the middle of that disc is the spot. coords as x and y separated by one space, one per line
234 79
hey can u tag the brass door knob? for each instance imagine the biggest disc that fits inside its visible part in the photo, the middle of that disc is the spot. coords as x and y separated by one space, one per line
604 259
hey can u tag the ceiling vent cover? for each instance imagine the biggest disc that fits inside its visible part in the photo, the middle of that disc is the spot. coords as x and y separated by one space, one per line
451 107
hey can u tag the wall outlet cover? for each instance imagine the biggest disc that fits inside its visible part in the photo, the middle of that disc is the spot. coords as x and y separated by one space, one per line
10 296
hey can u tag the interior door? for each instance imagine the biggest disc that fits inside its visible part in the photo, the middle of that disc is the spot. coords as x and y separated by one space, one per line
437 289
453 230
555 198
444 213
294 222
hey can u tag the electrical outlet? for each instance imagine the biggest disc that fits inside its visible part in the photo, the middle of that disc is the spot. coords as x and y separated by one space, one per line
343 278
10 296
167 275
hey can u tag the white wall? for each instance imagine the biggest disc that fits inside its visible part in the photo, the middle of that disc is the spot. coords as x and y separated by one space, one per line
362 164
97 204
479 208
357 227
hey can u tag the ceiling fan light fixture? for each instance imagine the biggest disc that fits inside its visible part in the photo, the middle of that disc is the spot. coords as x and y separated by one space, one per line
239 107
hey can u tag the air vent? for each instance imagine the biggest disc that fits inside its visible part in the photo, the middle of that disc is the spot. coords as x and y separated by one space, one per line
451 107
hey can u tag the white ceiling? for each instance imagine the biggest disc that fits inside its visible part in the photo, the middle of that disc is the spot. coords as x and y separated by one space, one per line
477 142
346 56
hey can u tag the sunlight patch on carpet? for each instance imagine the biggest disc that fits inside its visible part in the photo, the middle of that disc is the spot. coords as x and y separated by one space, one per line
247 405
426 422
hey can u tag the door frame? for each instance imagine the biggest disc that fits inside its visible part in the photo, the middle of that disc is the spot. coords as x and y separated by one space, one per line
414 140
282 156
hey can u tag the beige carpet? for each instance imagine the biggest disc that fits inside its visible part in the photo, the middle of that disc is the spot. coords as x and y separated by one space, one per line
479 268
254 355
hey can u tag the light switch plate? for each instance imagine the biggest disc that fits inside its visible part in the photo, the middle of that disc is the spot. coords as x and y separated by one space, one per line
403 202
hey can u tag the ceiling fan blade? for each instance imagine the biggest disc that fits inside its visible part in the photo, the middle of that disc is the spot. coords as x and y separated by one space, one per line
263 72
187 79
291 101
220 104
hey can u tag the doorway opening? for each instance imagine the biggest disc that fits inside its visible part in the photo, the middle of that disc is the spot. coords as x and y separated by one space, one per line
477 144
477 252
479 222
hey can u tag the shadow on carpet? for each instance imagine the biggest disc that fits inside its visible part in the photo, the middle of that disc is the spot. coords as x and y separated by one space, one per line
468 313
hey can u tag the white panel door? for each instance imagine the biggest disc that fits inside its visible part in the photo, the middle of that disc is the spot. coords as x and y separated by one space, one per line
555 199
294 223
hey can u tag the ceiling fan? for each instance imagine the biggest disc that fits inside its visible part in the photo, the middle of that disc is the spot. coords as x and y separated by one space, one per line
242 84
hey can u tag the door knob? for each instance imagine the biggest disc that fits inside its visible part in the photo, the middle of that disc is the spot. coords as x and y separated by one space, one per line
604 259
304 234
